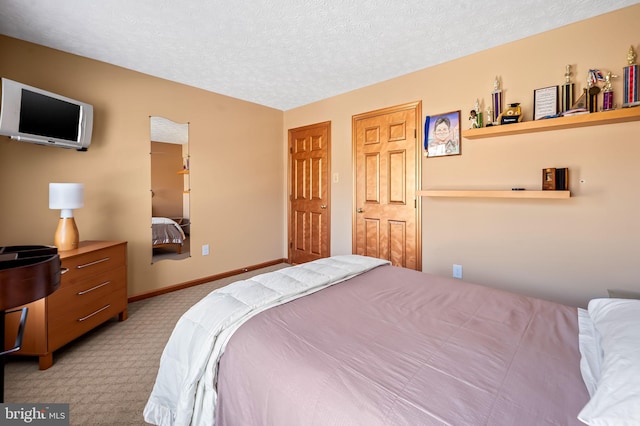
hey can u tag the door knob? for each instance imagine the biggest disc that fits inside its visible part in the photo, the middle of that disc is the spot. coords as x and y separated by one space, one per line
323 206
360 210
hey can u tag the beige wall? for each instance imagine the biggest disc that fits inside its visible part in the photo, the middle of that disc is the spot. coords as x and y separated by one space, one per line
568 250
237 168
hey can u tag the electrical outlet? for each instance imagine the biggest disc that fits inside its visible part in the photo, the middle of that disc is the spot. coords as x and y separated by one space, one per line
457 271
205 249
336 178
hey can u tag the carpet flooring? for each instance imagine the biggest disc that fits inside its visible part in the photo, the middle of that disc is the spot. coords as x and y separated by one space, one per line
106 376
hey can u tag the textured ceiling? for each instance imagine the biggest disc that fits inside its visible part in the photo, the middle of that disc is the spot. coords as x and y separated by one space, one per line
284 53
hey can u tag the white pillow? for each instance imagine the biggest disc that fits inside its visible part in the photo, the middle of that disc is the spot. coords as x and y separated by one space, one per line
617 397
590 351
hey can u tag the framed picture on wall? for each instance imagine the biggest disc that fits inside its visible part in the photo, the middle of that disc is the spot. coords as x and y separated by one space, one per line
442 134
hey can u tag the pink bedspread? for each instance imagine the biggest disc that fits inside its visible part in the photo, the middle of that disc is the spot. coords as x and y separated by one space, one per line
399 347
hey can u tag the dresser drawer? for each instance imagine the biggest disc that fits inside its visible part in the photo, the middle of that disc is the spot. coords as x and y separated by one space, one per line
87 294
78 308
85 265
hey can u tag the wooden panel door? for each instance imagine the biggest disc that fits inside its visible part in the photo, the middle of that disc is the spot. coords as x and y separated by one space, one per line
309 208
386 152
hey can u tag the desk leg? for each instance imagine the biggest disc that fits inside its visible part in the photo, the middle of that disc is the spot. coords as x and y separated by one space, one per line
2 314
18 344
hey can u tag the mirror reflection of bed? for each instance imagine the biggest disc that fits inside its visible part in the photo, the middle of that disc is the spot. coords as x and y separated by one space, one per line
170 190
170 238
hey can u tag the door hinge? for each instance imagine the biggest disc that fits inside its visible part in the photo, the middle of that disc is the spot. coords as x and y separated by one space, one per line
415 133
290 150
290 244
415 203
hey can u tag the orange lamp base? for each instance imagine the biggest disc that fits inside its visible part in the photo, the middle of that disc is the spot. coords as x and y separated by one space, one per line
66 236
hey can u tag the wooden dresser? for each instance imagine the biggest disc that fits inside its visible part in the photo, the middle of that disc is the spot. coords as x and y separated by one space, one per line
93 289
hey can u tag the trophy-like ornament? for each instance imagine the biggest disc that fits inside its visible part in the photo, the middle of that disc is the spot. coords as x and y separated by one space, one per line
630 94
592 89
475 117
567 90
607 92
496 102
513 114
479 120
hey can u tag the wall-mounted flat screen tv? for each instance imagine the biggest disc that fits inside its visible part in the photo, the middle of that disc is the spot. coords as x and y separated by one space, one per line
34 115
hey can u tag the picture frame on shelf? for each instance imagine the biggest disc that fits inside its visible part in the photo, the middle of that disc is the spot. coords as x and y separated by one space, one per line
546 102
443 134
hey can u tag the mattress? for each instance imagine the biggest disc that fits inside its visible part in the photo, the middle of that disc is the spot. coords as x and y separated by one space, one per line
398 347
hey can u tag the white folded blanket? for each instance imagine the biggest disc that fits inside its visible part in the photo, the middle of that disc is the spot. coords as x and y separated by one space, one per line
184 392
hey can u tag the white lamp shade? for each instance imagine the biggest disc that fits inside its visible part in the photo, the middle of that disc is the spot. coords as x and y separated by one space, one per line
66 196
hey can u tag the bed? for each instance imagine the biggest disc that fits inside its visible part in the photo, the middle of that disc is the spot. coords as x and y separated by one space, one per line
167 233
352 340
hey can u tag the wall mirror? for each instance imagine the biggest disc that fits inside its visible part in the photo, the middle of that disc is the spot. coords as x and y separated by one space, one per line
170 190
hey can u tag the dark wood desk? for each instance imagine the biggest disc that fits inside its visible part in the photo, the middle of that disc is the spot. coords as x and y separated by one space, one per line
27 273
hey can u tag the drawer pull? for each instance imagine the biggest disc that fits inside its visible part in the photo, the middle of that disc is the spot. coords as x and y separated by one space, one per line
80 293
93 263
95 313
64 271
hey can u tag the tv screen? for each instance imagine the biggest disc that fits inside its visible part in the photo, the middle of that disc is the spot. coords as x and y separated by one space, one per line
46 116
29 114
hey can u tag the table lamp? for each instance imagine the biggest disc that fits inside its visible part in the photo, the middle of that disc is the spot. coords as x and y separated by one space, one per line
66 197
